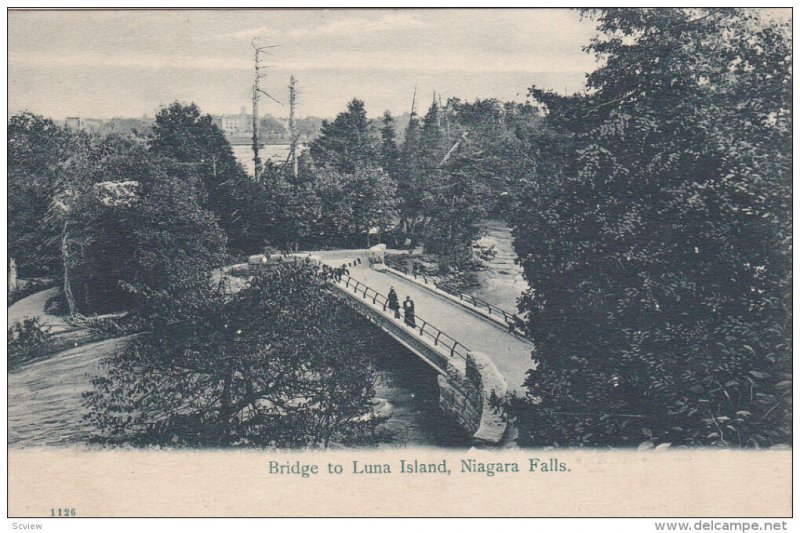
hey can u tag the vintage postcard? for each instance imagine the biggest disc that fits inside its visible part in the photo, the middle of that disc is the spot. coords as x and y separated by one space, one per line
400 263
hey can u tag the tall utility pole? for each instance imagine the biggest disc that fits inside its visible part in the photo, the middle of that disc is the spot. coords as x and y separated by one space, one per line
293 126
257 92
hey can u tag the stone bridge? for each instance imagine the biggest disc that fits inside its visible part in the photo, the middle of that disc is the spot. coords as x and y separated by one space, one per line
467 341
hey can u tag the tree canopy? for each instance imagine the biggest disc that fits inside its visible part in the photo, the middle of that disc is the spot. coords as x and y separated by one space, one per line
182 133
348 142
660 262
38 152
283 363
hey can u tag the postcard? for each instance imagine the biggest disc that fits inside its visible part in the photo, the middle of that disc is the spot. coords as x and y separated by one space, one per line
400 263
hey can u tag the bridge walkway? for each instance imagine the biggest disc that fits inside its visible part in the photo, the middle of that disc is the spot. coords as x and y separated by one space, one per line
511 355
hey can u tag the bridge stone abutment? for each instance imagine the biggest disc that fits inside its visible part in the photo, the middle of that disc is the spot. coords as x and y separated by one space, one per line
468 399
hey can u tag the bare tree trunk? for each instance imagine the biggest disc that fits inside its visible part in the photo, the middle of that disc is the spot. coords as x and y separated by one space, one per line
12 276
453 149
67 287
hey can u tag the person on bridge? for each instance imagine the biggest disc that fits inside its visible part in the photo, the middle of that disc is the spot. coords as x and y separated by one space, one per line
394 302
408 308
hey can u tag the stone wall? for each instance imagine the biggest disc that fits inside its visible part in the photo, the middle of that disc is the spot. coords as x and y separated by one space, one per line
467 398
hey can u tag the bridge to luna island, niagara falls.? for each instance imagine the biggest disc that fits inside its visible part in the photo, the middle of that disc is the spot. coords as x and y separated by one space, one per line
474 346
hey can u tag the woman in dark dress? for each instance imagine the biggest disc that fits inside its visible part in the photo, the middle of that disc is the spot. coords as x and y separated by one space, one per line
408 308
394 302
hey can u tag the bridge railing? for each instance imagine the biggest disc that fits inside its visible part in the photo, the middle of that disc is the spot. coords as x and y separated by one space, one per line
512 321
425 328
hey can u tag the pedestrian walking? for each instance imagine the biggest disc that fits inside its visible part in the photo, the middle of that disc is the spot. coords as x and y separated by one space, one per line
408 308
394 302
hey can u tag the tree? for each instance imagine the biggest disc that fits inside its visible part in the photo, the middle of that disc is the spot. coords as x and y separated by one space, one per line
411 193
390 154
432 142
373 196
419 159
182 133
350 205
102 212
38 151
455 214
660 265
291 210
348 142
507 144
134 224
277 364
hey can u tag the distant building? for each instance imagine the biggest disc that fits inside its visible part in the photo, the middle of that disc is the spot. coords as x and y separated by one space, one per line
239 128
92 125
72 123
240 125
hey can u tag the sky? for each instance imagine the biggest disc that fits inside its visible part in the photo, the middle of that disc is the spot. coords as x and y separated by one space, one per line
101 64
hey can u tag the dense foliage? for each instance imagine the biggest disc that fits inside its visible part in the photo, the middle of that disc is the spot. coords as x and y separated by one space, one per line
348 142
343 194
283 363
140 224
191 139
38 151
24 338
660 260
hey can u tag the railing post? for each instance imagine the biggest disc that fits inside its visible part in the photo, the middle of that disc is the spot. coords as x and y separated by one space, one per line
436 340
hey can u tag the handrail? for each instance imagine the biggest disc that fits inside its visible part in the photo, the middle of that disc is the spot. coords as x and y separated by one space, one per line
439 337
511 319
